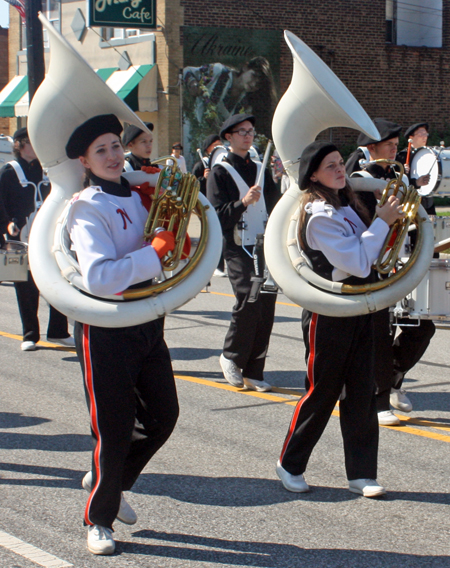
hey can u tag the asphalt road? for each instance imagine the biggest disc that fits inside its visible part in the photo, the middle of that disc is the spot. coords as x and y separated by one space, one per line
211 497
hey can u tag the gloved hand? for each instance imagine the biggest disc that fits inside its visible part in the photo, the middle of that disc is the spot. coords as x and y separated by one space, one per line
163 242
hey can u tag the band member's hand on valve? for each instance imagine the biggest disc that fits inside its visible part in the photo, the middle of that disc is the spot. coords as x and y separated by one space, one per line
163 242
390 211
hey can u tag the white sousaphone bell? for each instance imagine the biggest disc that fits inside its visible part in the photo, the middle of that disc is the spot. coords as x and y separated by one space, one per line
70 94
317 100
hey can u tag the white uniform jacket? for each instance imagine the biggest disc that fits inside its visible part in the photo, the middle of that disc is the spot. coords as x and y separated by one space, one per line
344 239
107 235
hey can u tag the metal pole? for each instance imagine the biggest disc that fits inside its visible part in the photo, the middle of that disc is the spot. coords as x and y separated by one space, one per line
35 46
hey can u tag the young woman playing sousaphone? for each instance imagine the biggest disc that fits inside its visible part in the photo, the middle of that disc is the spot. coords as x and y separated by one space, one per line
337 236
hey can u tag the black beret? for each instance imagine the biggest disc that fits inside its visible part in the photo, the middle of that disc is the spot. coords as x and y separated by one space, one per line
83 136
410 131
209 140
310 160
21 133
386 129
233 121
132 132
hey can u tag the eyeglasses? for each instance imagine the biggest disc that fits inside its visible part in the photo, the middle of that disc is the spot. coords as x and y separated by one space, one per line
242 132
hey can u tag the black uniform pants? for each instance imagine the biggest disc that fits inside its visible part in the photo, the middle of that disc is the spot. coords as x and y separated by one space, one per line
339 352
395 358
247 340
410 345
131 395
28 300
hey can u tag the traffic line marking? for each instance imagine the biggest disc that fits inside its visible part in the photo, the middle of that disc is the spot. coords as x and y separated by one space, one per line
41 343
273 398
30 552
280 400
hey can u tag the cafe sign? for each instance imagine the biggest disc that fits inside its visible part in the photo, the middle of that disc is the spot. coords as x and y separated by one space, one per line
122 13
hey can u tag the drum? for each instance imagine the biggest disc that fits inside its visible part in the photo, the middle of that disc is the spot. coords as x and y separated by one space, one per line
431 298
14 262
436 163
441 228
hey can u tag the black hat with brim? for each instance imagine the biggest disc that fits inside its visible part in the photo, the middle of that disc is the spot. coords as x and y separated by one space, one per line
410 131
208 141
132 132
20 133
310 160
233 121
386 128
83 136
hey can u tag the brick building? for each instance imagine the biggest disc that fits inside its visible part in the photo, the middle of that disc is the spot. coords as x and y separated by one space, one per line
393 56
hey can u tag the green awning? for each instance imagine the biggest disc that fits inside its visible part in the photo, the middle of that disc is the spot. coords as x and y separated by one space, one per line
136 86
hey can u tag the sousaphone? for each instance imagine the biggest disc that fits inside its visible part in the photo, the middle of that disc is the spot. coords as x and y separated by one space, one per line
316 100
70 94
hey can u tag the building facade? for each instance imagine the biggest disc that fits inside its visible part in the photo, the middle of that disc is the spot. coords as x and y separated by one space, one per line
393 56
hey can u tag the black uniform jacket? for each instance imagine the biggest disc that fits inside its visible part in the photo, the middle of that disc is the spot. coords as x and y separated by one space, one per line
223 194
199 172
375 170
18 200
137 163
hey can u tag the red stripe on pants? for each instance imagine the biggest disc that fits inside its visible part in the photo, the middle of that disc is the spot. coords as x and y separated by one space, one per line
310 371
93 413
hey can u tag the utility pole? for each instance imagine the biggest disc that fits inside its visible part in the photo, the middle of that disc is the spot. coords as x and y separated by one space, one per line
35 46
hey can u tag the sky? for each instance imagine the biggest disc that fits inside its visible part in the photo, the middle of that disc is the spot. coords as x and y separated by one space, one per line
4 14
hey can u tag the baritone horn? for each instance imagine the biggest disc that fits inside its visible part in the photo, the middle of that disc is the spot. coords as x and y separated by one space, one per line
70 94
316 100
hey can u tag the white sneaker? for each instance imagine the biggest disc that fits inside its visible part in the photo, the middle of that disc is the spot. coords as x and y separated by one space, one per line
388 418
231 371
366 487
399 400
219 273
260 386
100 540
65 341
294 483
28 346
126 513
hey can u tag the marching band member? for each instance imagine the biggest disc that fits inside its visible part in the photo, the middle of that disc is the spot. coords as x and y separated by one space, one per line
418 134
128 377
200 171
22 185
140 144
335 234
395 357
232 191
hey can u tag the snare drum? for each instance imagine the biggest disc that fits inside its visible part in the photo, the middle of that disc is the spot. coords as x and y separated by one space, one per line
431 298
441 228
434 162
14 262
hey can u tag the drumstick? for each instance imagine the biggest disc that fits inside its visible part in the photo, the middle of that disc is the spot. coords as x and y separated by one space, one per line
408 154
264 164
202 158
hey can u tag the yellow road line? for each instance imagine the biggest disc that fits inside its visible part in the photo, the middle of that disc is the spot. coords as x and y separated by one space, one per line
41 343
281 400
289 402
